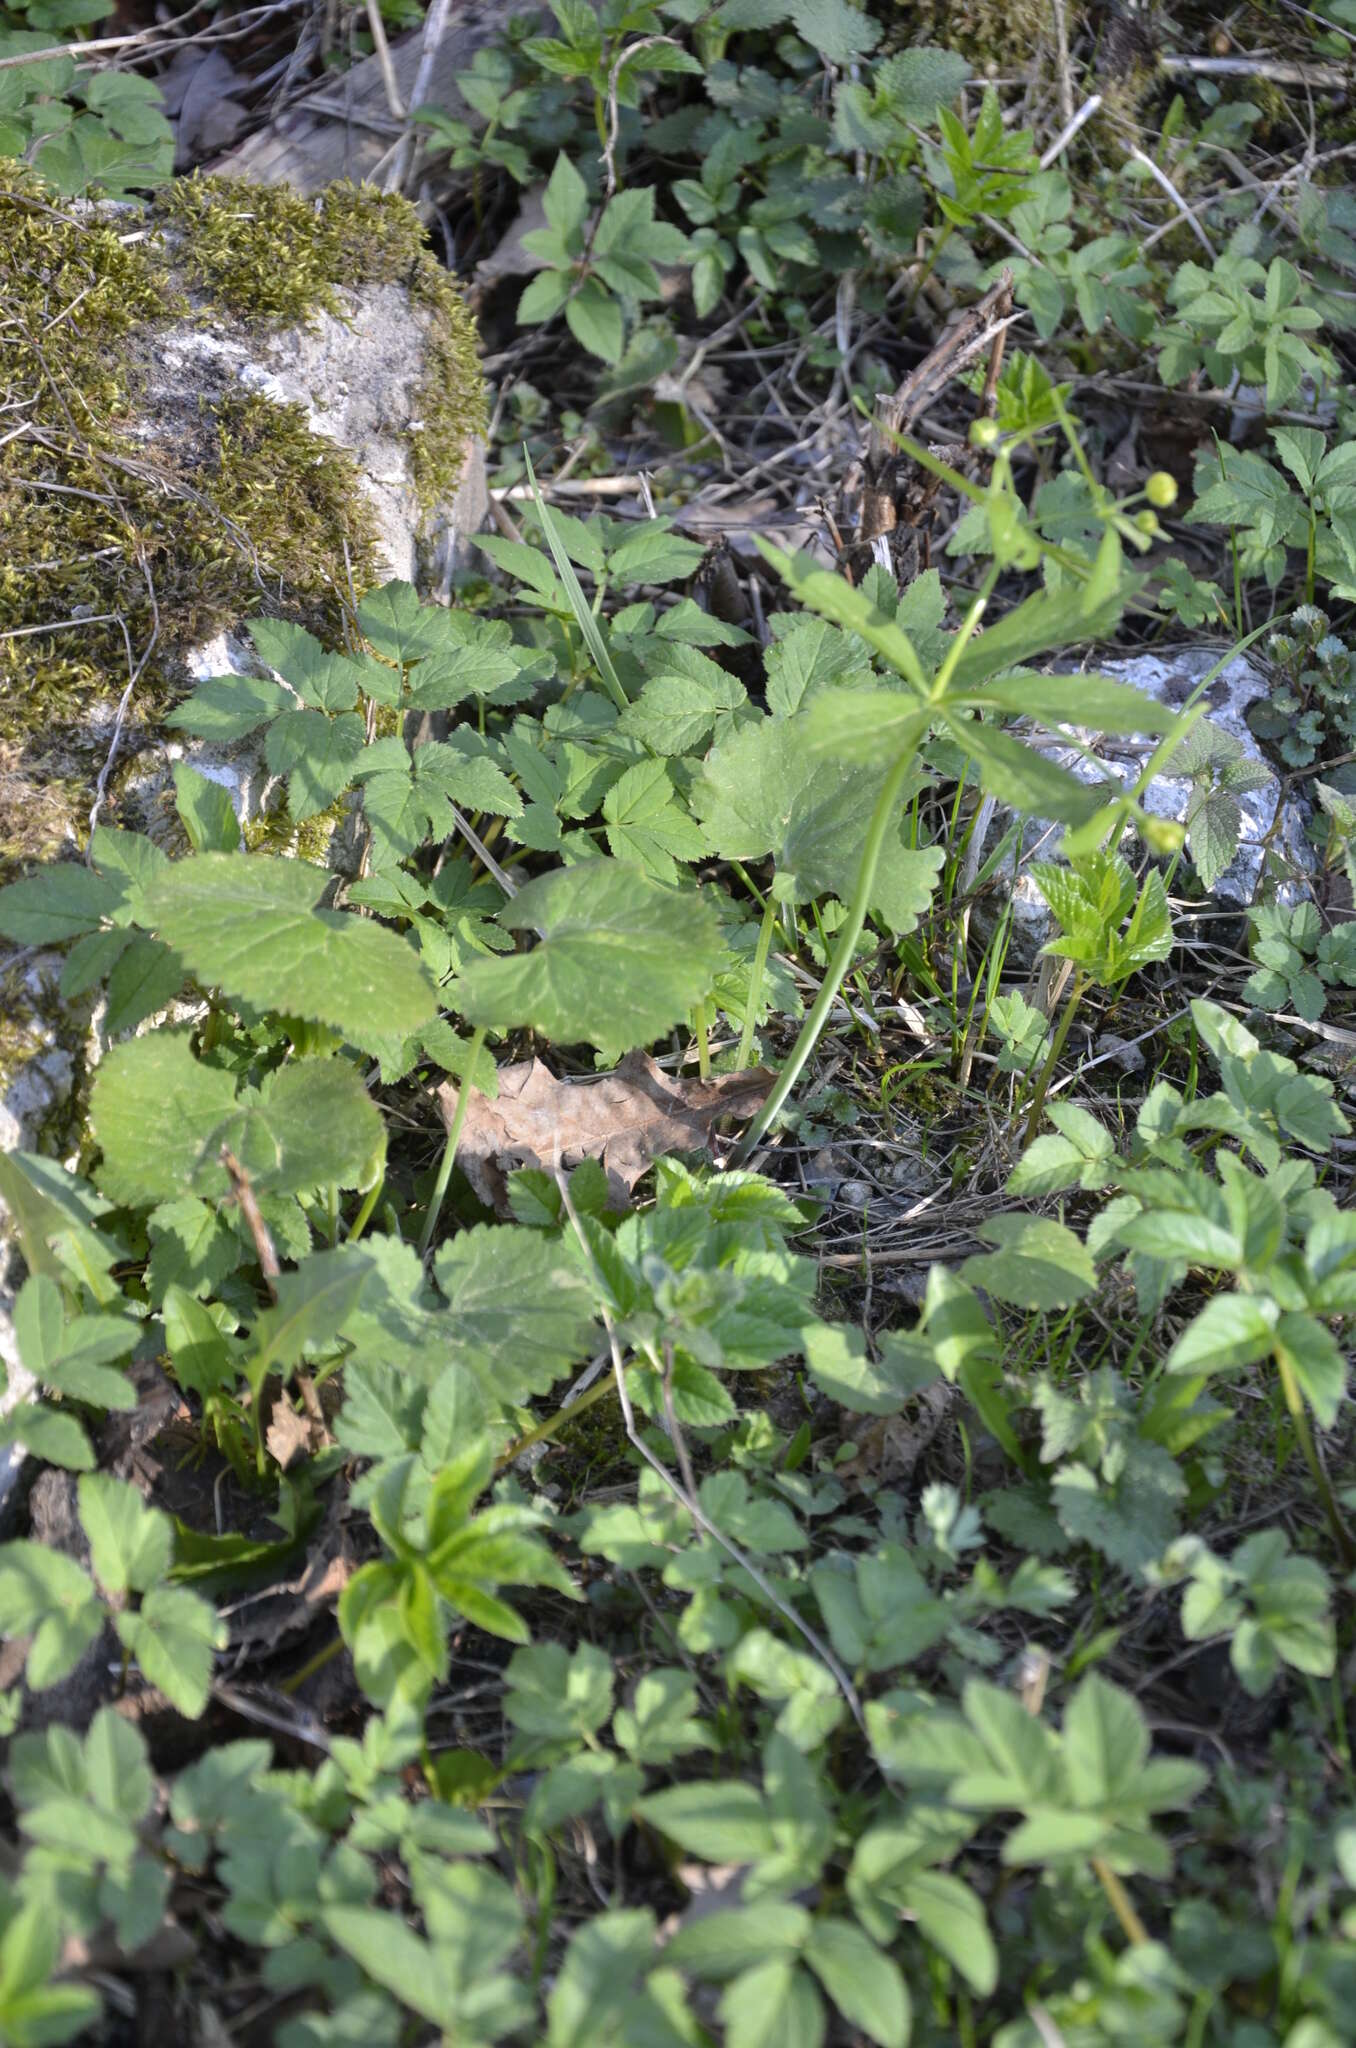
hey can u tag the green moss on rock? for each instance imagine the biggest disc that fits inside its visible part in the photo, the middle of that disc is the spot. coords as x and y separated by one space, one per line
134 533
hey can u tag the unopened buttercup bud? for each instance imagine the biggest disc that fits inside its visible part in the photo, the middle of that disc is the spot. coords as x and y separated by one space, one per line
1161 490
985 433
1147 522
1162 835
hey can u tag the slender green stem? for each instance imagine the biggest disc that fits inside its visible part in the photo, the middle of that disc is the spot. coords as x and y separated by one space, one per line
928 268
312 1665
702 1033
364 1215
556 1421
448 1160
1052 1061
1299 1415
1119 1899
756 973
848 935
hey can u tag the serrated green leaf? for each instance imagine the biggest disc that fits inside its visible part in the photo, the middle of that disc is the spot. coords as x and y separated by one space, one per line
620 959
251 925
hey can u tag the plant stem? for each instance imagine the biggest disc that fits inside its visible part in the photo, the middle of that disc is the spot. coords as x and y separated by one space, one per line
848 936
364 1215
1130 1921
553 1423
448 1160
1299 1415
1052 1061
312 1665
701 1032
756 973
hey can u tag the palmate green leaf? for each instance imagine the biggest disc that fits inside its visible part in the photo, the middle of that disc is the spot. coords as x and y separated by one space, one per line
621 959
763 791
647 826
250 924
317 754
162 1117
553 1693
835 599
328 682
1132 1518
658 1725
809 656
674 713
311 1124
153 1108
396 624
841 1367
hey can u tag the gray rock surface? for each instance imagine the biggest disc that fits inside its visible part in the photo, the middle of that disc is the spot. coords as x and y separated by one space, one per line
1118 759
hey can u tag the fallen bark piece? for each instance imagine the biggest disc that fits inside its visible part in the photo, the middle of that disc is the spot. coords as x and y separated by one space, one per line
624 1119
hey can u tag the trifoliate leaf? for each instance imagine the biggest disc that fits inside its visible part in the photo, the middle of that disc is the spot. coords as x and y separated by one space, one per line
173 1636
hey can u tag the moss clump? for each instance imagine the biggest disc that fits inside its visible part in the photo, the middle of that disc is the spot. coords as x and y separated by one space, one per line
122 548
995 35
267 253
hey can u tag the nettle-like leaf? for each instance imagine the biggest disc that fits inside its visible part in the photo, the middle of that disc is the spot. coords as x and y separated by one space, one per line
252 925
619 960
1108 929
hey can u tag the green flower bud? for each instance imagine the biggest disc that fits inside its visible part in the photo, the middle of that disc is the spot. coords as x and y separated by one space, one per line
1161 490
985 433
1147 522
1162 835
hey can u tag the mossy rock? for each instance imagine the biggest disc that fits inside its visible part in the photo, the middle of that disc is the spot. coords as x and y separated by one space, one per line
240 400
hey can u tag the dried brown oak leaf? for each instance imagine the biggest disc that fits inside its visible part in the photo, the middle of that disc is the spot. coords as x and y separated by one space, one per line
624 1119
